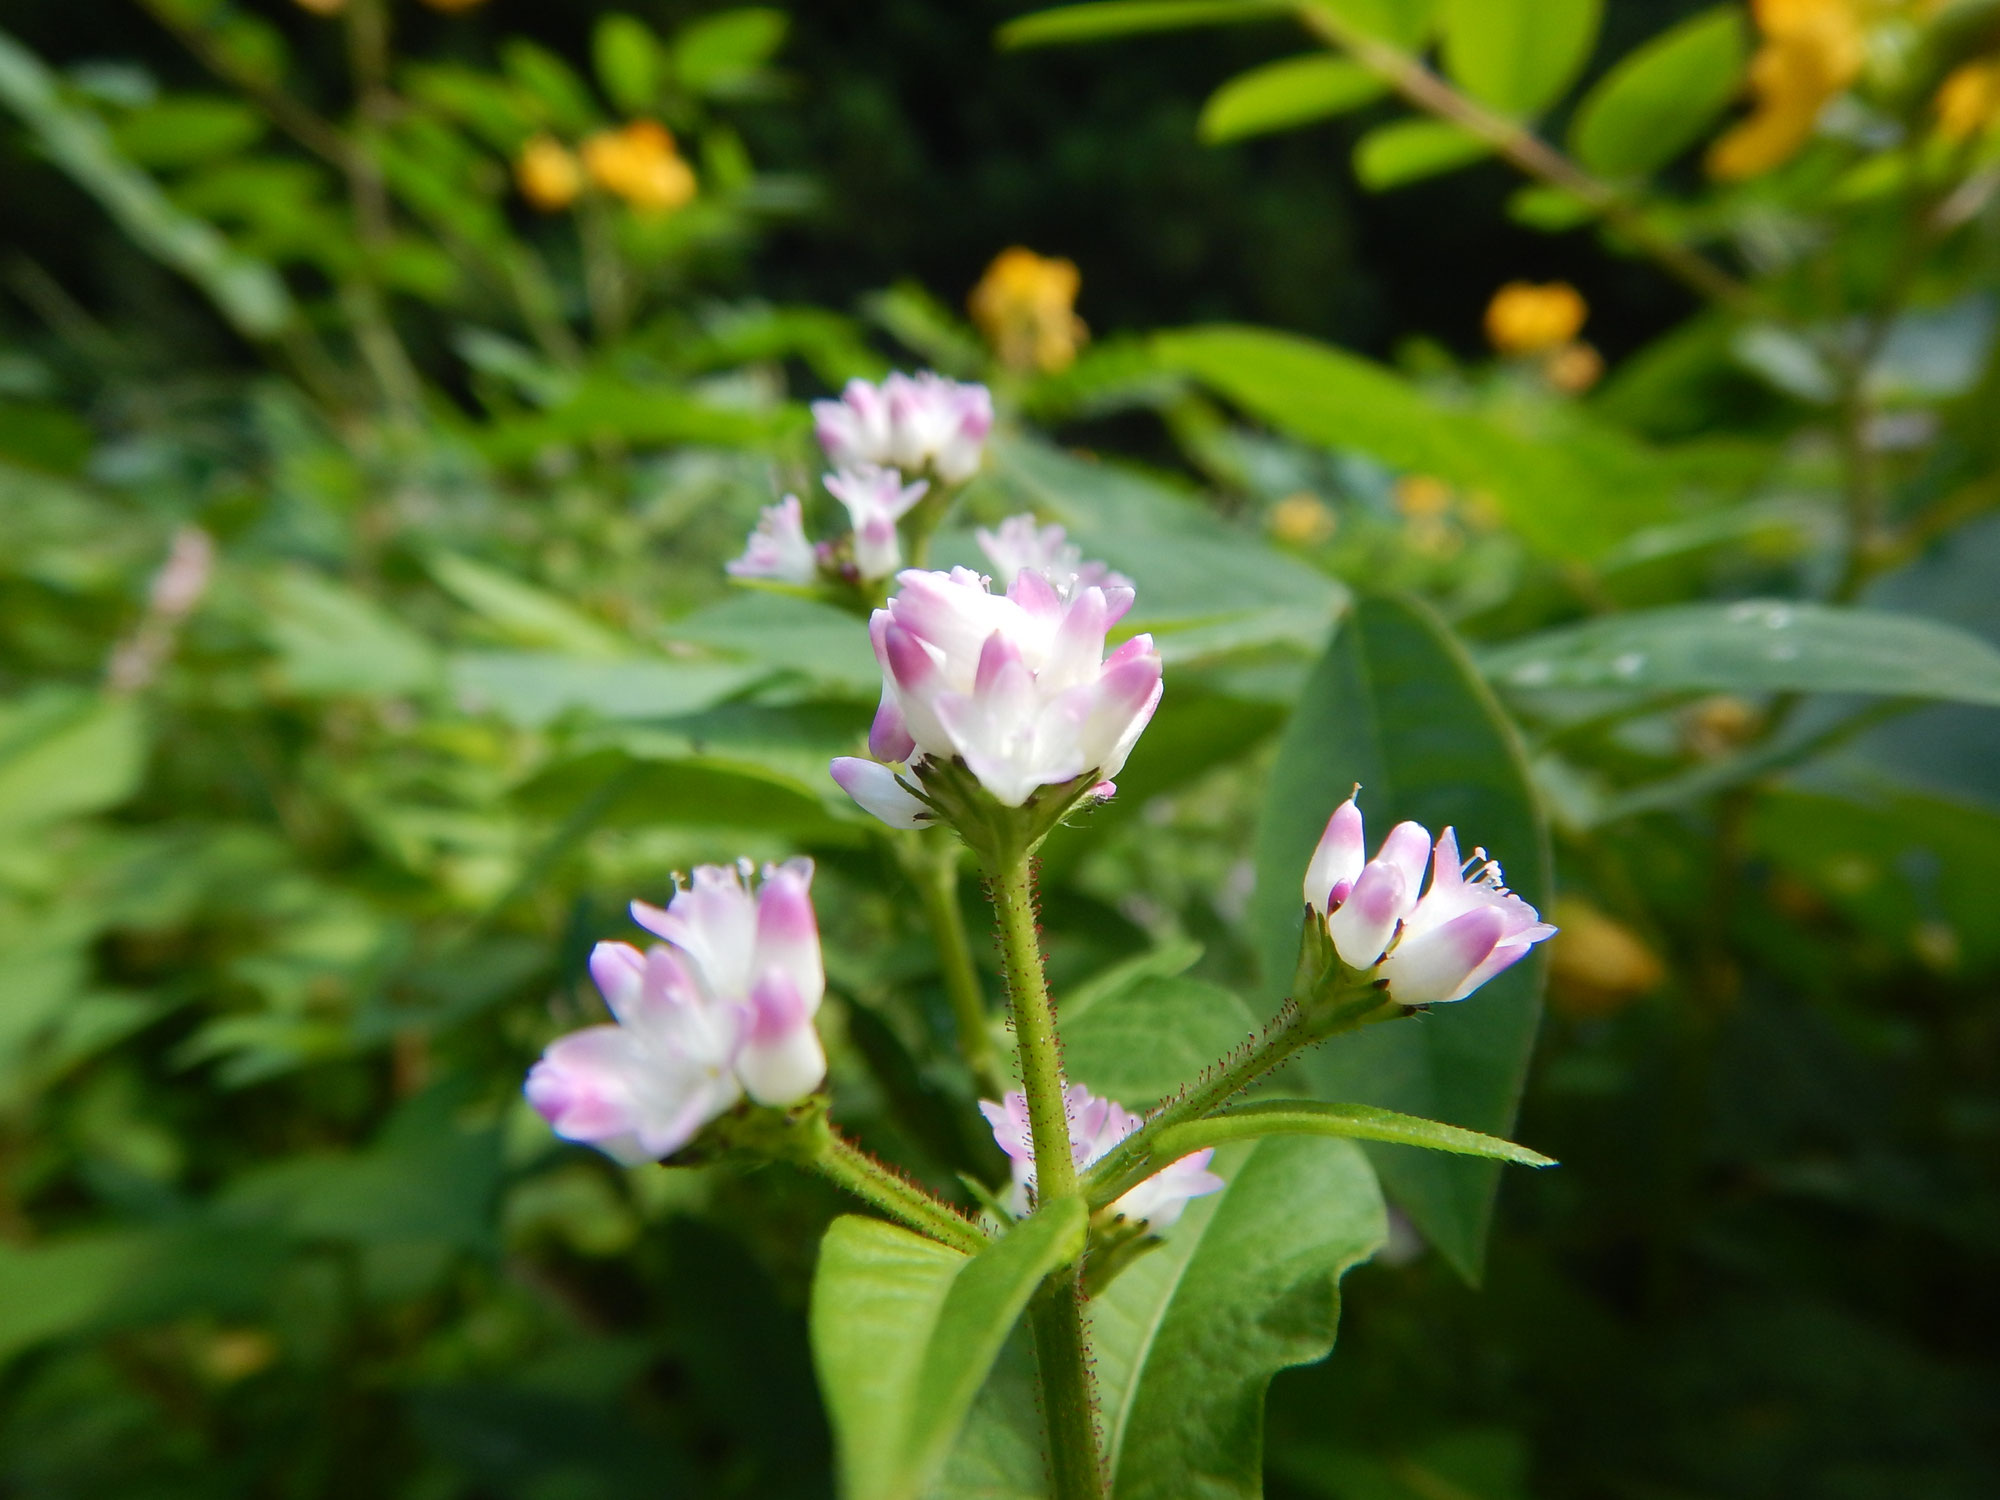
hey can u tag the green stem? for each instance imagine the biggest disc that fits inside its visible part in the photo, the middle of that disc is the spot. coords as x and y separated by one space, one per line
933 864
846 1164
1062 1351
1130 1162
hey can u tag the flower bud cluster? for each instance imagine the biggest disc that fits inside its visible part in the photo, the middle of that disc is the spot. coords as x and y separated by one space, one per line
723 1007
1095 1126
874 436
1432 947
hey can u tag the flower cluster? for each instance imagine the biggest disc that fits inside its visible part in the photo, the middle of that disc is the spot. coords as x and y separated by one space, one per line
1016 686
1020 542
723 1007
1812 50
638 162
1025 304
874 436
1095 1126
1432 948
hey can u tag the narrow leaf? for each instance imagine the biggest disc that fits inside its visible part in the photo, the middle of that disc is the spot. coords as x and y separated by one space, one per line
1757 646
1360 1122
905 1330
1396 705
1410 150
1139 1045
1107 18
1281 95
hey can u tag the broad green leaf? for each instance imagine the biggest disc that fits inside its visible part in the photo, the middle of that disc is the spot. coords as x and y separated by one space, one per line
248 292
628 61
1280 95
1141 1043
1397 706
1518 55
1574 498
904 1331
66 753
695 791
1188 1337
1359 1122
1410 150
1756 646
528 615
535 688
1662 97
1203 585
818 642
1105 18
333 640
606 409
720 52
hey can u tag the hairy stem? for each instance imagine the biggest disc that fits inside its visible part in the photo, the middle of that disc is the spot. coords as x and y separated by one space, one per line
933 864
1521 147
1295 1028
1062 1350
835 1157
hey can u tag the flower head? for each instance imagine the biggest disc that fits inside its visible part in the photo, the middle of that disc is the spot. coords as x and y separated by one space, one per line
1434 947
1524 318
909 422
1016 685
548 174
1812 50
876 499
723 1007
1095 1126
1020 542
778 549
640 163
1025 304
1968 101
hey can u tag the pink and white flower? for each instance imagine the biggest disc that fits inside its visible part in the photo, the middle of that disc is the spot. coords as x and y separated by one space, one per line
1020 542
1095 1126
723 1007
912 423
1434 947
779 548
876 499
1016 685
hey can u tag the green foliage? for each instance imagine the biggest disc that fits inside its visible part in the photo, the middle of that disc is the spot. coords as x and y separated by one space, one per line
1411 150
1357 1122
1662 97
1280 95
1114 18
1519 56
904 1332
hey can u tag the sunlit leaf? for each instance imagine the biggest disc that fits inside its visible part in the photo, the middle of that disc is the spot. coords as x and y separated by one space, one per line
1358 1122
1518 55
1662 97
1410 150
1110 18
1281 95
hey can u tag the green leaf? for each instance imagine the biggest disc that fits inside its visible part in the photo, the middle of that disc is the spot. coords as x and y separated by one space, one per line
247 292
1401 23
332 640
608 409
1549 209
1658 100
1203 585
1574 498
628 61
1141 1043
1518 55
43 435
186 130
1187 1339
524 613
1359 1122
1755 646
721 52
1396 705
826 646
1090 23
532 689
64 753
551 85
904 1331
1409 150
1281 95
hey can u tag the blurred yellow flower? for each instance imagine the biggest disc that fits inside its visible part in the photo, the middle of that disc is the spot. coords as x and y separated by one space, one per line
1597 965
1303 520
1968 101
1812 50
639 163
1025 304
1422 496
1574 368
1524 318
548 174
